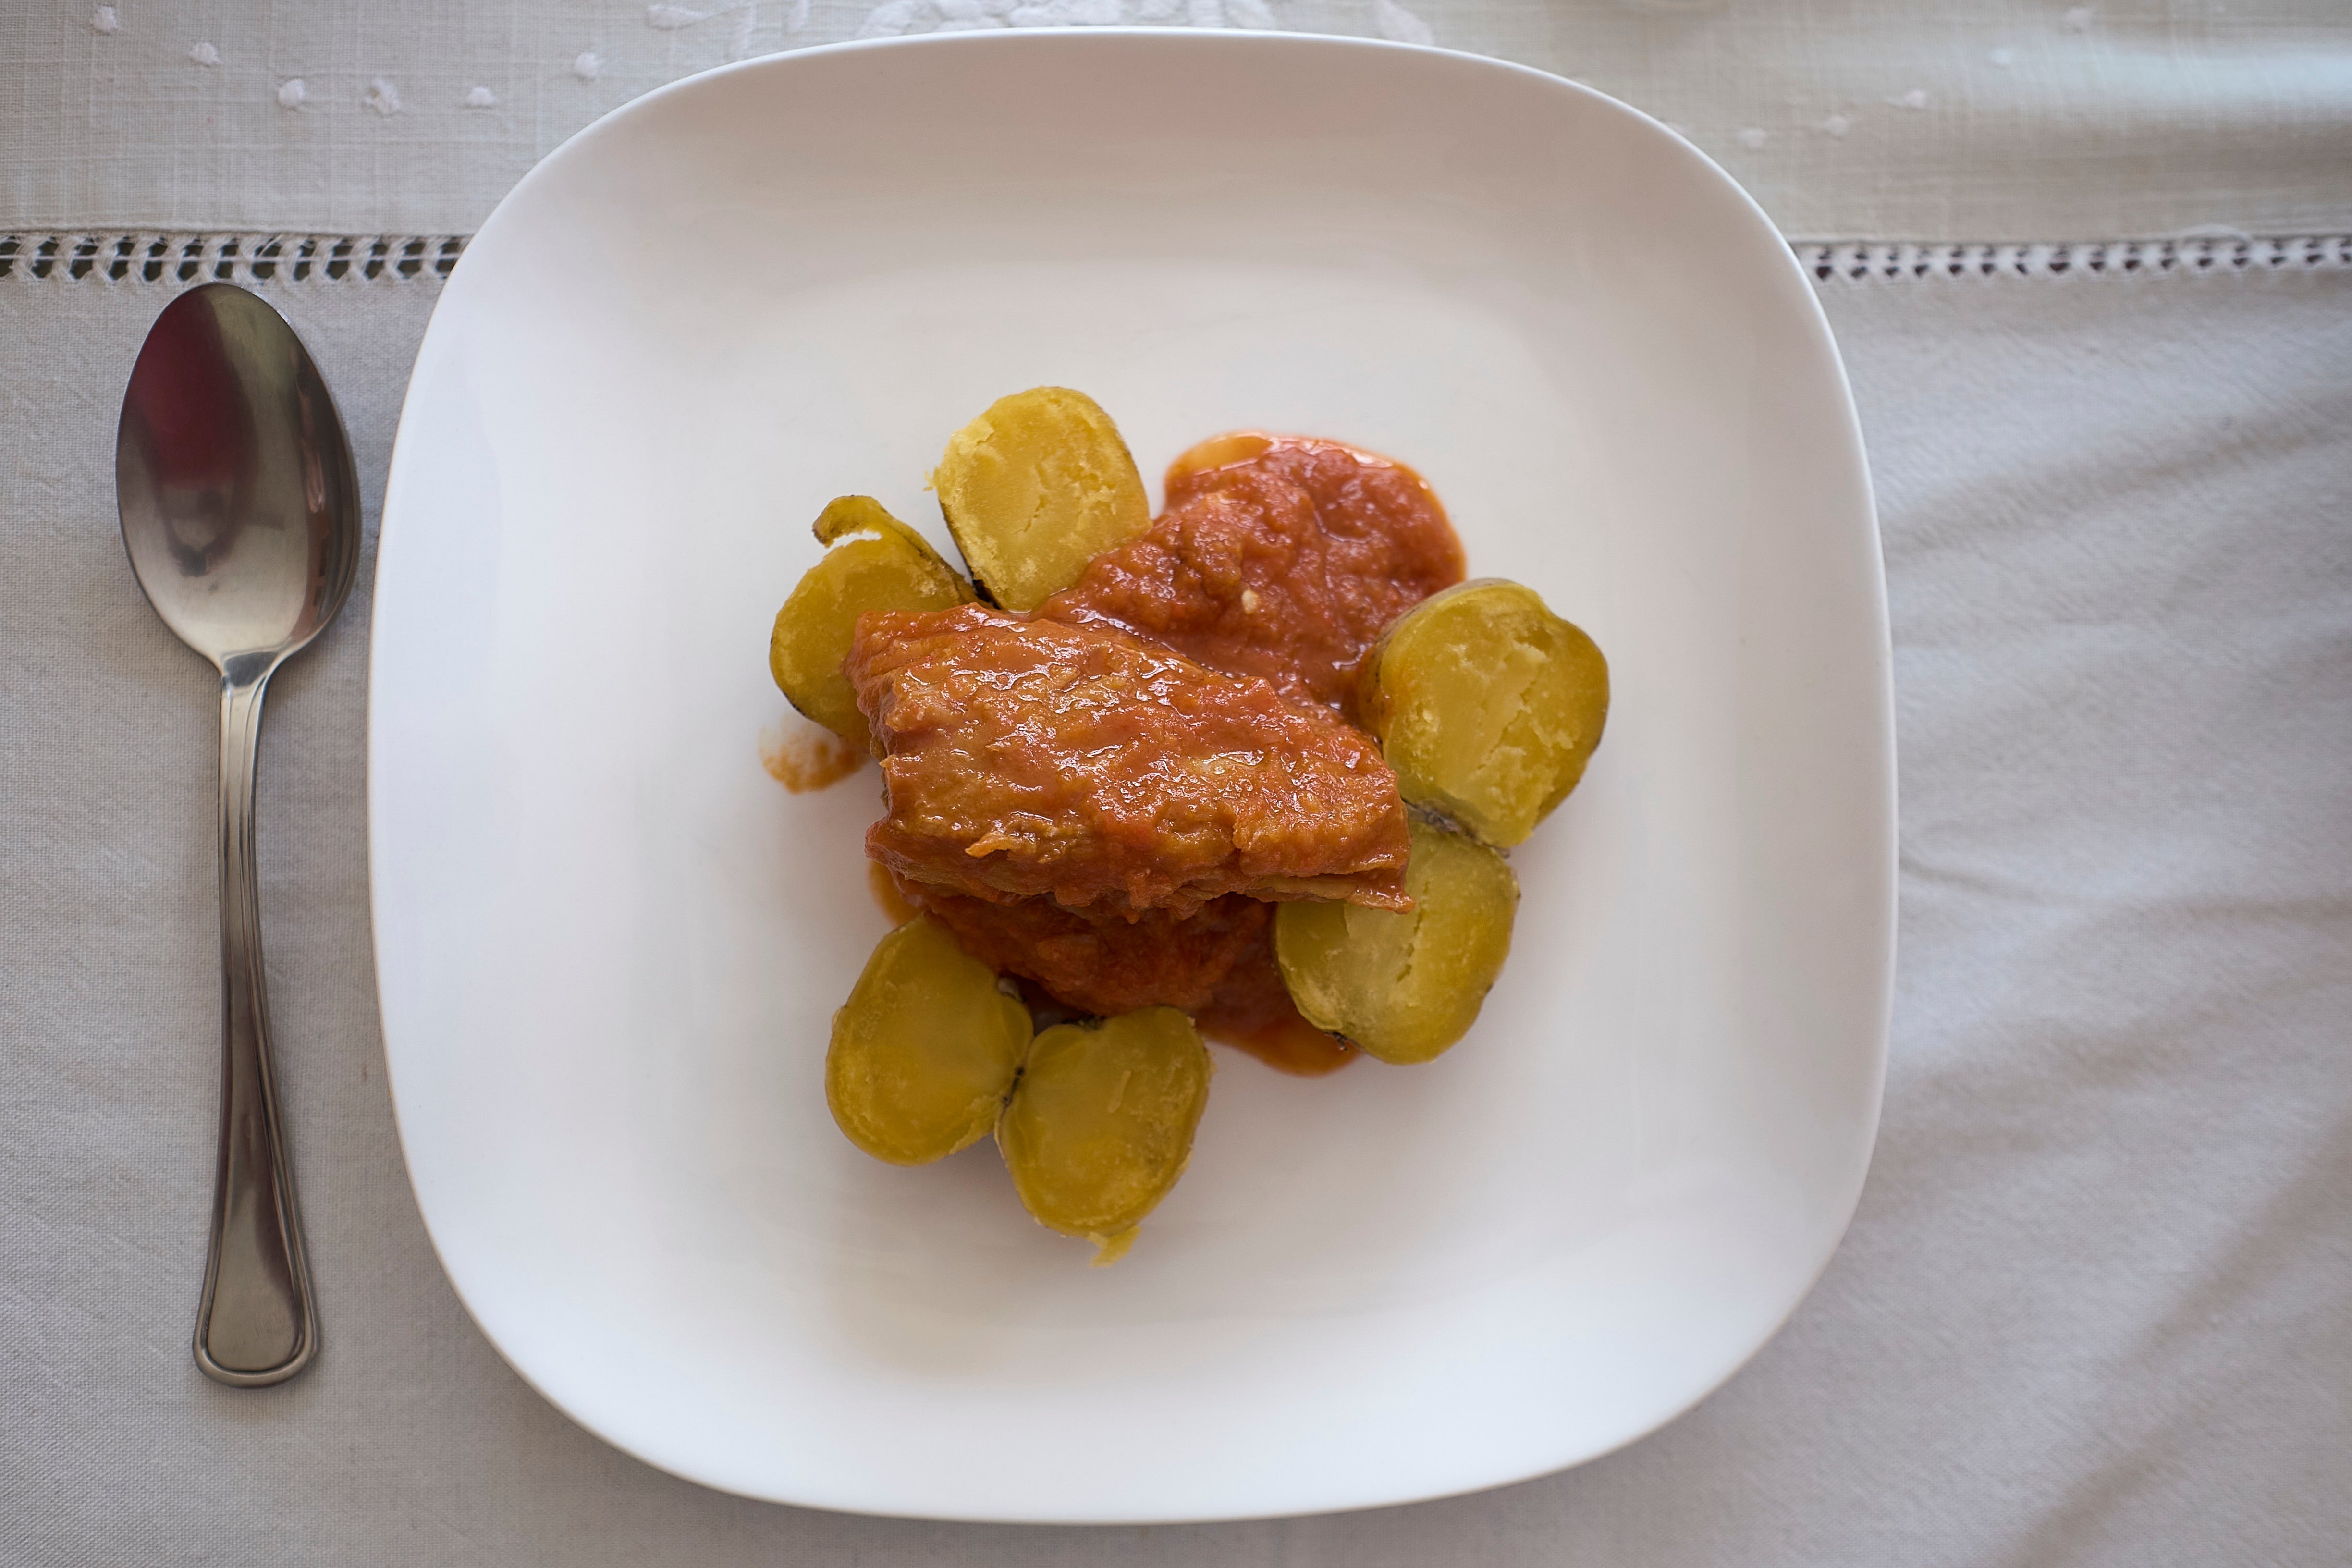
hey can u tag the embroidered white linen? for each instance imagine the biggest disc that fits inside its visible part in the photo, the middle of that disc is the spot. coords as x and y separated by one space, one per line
2093 1308
1978 120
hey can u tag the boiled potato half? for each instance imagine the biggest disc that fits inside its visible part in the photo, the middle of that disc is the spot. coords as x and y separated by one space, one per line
1488 706
1102 1123
1404 986
876 563
924 1049
1035 488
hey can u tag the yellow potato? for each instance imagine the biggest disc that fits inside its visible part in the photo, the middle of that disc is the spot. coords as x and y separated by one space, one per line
1404 986
876 563
1488 706
1102 1123
925 1048
1035 488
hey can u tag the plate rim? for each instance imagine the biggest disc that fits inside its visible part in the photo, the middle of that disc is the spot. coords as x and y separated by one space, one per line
1885 793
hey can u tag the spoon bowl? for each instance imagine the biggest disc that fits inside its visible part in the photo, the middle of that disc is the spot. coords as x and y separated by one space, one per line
241 513
240 506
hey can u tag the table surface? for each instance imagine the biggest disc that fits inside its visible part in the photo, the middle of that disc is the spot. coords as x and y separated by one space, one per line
1960 119
2096 1305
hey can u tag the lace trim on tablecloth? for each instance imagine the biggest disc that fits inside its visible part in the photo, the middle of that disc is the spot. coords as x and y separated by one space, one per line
187 257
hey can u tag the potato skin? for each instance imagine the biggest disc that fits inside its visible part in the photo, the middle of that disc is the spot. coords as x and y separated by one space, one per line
1035 488
876 563
1404 987
1488 706
1100 1126
924 1050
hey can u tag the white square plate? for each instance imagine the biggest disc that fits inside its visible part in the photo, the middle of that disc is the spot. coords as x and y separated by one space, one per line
609 945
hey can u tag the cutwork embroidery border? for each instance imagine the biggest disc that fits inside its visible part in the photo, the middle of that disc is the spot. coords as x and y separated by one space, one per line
181 257
1860 261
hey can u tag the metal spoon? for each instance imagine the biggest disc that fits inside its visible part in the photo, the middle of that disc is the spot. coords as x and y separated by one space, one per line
241 512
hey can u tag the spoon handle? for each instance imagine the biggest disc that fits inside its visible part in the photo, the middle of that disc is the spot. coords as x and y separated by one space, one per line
256 1324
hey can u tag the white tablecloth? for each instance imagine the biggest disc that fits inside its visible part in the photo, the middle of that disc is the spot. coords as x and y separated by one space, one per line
2096 1306
1982 120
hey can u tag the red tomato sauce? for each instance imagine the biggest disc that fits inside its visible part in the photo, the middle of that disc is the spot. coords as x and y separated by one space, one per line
1278 556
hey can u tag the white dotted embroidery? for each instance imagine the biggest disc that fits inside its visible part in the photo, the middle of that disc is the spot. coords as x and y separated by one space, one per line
2079 19
1916 98
291 92
383 97
1391 19
481 97
1837 125
894 18
891 18
2003 58
1399 24
1752 139
1042 14
676 18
